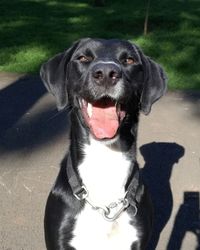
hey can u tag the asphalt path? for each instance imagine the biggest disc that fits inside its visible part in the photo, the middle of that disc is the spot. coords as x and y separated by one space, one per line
33 141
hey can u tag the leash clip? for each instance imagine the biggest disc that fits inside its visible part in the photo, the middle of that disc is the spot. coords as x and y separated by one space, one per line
81 194
109 216
112 211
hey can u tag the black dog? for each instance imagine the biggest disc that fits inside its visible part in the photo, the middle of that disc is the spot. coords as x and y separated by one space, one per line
98 201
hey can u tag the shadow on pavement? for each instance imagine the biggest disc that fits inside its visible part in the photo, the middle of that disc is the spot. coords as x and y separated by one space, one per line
160 158
17 98
187 220
40 129
21 129
193 96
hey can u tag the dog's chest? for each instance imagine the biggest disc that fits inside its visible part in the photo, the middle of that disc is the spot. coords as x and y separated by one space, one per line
93 232
104 172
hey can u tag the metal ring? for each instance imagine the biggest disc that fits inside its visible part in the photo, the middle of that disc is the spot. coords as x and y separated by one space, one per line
134 206
82 194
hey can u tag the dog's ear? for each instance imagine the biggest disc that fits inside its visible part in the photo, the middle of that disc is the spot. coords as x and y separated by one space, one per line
154 85
53 74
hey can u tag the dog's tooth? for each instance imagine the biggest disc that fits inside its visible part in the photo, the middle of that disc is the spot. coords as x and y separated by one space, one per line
84 103
89 109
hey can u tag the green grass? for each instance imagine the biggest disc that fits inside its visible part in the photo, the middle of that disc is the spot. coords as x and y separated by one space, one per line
31 31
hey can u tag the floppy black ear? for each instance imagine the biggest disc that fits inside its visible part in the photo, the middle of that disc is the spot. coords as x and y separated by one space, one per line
155 83
53 74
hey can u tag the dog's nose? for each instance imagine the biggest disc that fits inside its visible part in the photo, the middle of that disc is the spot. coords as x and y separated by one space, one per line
106 73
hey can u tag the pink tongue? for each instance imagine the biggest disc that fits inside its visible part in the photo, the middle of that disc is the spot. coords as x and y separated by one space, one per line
104 121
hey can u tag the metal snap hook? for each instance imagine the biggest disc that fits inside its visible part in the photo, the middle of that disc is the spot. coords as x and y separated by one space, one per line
106 216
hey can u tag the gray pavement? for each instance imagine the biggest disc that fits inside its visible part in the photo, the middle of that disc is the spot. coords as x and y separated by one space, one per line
33 141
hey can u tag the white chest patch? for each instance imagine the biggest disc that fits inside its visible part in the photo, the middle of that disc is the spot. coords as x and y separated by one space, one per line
104 172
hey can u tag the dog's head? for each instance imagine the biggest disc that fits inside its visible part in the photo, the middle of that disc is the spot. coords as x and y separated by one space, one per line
104 79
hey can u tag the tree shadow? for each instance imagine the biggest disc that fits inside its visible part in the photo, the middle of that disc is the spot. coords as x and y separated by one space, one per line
194 98
160 158
17 98
187 220
20 128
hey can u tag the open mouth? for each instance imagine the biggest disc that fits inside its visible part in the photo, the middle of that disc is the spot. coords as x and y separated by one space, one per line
103 117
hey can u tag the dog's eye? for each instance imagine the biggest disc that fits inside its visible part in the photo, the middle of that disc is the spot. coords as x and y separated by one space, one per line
129 61
85 58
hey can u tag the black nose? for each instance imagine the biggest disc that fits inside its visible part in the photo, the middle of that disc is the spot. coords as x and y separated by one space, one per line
106 73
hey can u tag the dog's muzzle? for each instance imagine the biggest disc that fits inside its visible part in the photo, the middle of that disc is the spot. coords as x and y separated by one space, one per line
104 113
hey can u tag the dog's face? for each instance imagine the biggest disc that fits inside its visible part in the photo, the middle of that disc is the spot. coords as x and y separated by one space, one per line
104 79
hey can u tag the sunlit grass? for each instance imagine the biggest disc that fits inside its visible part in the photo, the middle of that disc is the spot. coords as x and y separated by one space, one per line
33 30
25 60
